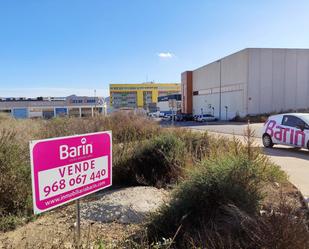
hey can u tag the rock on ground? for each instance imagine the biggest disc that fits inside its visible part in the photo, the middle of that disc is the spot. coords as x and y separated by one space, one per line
126 205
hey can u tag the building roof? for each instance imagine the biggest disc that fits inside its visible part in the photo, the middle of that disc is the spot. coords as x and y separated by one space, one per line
143 84
249 48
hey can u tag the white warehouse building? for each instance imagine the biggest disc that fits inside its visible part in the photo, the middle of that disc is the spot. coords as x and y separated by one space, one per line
249 82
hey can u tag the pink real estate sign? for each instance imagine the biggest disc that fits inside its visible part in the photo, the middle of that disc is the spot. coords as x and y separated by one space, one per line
67 168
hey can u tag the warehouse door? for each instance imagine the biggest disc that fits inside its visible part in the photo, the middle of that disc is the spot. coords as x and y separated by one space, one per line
20 113
61 111
48 113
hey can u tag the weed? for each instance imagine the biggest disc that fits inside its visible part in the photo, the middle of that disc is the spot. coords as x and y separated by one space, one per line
15 183
213 203
158 161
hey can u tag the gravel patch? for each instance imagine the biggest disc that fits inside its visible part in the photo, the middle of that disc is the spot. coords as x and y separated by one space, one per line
126 206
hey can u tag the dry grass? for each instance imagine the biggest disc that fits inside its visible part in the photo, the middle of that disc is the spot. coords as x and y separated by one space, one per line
143 153
218 205
208 202
215 207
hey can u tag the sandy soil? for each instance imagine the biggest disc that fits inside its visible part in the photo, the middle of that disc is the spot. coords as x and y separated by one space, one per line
101 222
113 216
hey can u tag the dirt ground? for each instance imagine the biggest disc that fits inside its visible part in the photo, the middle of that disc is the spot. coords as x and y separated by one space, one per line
101 223
56 229
277 194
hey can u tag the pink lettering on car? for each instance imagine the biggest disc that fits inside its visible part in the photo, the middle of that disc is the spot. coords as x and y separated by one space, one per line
282 133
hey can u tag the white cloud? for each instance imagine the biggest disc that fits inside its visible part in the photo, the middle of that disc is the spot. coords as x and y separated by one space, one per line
165 55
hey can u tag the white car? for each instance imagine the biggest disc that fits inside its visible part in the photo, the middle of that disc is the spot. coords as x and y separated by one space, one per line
167 117
161 114
288 129
152 114
205 118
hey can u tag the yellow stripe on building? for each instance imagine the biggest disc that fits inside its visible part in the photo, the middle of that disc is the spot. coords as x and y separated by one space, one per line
139 95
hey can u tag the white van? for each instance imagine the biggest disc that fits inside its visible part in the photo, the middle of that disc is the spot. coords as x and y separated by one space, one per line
288 129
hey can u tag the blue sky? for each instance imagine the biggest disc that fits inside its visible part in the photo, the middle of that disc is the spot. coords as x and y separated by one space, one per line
61 47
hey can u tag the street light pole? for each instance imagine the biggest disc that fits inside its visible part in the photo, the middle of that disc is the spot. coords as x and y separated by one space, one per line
95 101
220 93
172 115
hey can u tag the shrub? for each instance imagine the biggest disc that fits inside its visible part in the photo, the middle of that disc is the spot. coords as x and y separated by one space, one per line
201 202
285 228
15 181
66 126
9 222
143 153
156 162
128 127
197 144
125 127
160 161
221 146
123 168
55 128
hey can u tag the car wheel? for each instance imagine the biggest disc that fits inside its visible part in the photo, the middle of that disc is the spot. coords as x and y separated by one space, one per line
267 142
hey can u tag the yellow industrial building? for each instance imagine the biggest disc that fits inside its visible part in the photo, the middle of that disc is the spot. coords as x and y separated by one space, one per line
131 96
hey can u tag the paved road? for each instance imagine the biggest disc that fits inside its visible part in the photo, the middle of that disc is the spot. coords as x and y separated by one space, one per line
294 162
234 128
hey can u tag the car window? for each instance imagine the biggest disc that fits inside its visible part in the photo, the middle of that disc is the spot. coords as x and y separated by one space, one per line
306 126
292 121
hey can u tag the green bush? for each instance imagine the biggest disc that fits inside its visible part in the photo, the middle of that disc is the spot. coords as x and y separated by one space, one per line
197 144
9 222
158 161
201 201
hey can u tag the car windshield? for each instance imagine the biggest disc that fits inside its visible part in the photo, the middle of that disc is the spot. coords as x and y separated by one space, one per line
305 117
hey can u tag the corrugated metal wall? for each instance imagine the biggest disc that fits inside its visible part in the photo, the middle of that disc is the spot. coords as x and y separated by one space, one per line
254 81
278 80
233 71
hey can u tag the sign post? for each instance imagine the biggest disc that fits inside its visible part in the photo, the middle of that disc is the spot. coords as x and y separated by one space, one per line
67 168
78 223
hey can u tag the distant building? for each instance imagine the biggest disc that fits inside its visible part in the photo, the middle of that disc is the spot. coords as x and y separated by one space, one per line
249 82
165 103
132 96
48 107
107 103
